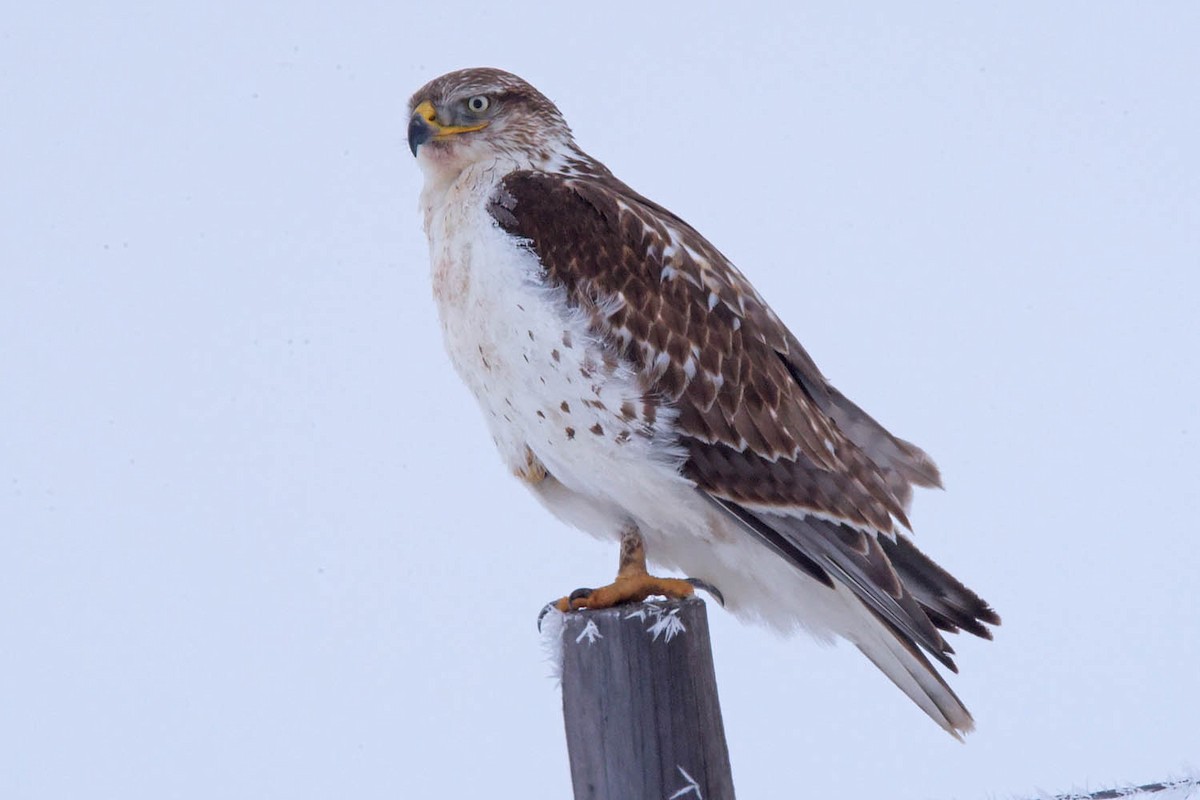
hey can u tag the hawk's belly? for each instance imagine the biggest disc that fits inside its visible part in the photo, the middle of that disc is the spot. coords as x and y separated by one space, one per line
545 385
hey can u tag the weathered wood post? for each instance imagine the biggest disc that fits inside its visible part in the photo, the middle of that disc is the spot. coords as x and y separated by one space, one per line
640 704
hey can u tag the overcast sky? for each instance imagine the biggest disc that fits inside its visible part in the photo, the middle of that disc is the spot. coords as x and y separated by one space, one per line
254 541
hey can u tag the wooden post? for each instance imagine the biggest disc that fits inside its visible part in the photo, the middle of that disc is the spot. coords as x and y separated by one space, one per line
640 704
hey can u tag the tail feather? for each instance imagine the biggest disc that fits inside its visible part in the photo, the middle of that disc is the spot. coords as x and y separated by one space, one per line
897 599
908 668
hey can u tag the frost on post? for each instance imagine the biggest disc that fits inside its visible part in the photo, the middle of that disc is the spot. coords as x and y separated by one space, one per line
665 623
590 632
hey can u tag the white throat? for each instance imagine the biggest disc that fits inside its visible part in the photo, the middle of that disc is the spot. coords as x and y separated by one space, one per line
480 163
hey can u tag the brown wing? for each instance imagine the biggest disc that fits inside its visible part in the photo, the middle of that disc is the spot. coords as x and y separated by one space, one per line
767 437
704 343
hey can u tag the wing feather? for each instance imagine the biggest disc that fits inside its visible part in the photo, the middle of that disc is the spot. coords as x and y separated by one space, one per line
705 343
946 601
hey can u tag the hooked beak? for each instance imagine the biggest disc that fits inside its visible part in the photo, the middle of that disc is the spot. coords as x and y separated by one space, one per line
424 125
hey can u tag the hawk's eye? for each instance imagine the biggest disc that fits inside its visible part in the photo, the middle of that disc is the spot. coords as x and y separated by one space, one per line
478 104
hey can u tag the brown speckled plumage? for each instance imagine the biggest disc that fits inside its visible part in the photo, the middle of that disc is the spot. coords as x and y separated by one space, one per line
704 343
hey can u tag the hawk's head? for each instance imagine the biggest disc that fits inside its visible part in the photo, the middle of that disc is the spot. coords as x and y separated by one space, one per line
484 115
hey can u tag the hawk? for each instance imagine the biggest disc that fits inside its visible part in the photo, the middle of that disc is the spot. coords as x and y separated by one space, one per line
644 391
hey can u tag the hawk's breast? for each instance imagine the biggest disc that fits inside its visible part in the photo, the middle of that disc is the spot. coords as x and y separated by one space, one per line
542 379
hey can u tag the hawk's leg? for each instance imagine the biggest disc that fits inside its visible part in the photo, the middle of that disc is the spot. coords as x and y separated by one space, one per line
633 583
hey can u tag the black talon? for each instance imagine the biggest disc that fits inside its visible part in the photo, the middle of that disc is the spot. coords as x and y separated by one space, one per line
579 594
542 614
708 587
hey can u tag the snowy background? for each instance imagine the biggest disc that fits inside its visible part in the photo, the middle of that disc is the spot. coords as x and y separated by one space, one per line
254 542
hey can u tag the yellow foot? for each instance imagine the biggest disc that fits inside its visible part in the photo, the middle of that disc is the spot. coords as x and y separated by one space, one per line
633 583
626 589
533 471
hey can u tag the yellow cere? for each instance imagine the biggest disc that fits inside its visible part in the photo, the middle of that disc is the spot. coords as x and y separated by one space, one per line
426 110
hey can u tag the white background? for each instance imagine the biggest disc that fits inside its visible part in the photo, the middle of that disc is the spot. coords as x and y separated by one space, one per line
254 542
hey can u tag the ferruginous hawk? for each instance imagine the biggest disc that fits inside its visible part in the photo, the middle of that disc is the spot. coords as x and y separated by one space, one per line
644 391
